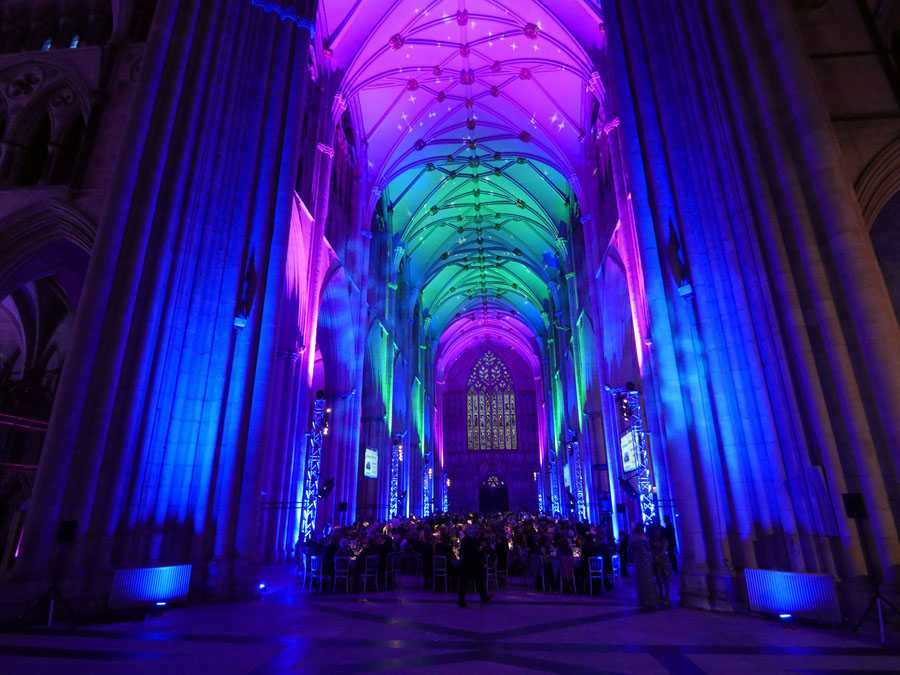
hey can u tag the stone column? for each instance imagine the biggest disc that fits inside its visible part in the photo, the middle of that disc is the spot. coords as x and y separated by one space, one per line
645 202
159 442
799 359
833 263
711 256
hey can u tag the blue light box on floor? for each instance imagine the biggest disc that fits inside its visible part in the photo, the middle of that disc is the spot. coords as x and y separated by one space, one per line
789 595
145 586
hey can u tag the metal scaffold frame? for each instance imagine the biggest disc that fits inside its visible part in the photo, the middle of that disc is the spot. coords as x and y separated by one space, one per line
580 483
427 488
635 420
394 486
539 480
314 441
445 492
553 468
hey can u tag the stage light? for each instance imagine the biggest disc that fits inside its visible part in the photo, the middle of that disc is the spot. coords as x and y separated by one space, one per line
160 604
785 617
261 585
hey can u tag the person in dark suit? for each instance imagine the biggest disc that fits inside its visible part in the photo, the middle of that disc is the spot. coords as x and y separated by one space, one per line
471 566
669 532
589 549
502 551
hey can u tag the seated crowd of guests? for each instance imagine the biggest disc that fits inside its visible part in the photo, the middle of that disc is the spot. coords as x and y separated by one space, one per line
535 547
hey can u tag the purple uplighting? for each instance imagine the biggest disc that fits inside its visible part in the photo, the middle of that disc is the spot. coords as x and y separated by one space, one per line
594 298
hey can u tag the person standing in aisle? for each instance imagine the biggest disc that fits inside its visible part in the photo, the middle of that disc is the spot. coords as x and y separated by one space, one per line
471 566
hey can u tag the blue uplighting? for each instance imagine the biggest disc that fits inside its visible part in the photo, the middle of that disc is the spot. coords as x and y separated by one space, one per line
146 585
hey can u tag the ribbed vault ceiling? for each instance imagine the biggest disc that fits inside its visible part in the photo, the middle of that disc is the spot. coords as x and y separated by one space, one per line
472 114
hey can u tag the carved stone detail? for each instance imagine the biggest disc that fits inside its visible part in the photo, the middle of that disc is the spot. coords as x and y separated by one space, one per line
24 83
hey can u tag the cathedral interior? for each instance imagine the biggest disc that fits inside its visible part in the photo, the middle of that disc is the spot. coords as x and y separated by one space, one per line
274 267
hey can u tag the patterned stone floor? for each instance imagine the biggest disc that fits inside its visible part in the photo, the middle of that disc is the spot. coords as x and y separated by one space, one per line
415 631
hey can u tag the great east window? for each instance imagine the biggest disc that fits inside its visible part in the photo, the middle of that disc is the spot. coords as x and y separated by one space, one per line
490 406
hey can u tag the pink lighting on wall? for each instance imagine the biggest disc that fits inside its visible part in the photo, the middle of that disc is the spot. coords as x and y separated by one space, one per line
624 240
438 419
476 327
305 270
296 265
541 422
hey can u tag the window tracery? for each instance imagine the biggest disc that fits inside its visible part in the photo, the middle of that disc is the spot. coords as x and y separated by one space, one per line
490 406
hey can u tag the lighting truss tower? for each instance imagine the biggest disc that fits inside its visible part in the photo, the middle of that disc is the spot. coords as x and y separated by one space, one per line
539 483
553 468
394 487
634 419
580 483
427 489
314 441
445 492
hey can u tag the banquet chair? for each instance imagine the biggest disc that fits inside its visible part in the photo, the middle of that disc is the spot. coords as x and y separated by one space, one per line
341 573
595 572
490 572
301 568
392 564
503 573
567 573
616 565
439 571
370 572
315 573
536 570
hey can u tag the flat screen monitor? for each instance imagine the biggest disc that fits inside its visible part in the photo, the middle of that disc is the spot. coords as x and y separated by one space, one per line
370 469
629 452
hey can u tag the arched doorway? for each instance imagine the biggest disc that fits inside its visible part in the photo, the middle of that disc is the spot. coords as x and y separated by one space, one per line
493 495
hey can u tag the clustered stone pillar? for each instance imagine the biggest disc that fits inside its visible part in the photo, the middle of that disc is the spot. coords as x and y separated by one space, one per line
769 320
166 415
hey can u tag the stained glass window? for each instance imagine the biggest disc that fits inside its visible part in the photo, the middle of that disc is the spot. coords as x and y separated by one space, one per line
490 406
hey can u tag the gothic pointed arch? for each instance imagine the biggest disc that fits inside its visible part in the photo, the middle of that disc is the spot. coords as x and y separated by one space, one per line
879 181
34 228
47 110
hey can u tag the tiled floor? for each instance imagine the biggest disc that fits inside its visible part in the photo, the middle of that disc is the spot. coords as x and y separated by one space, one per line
415 631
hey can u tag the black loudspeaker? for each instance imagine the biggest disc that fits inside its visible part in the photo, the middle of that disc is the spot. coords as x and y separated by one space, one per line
65 533
855 505
628 487
326 488
342 507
